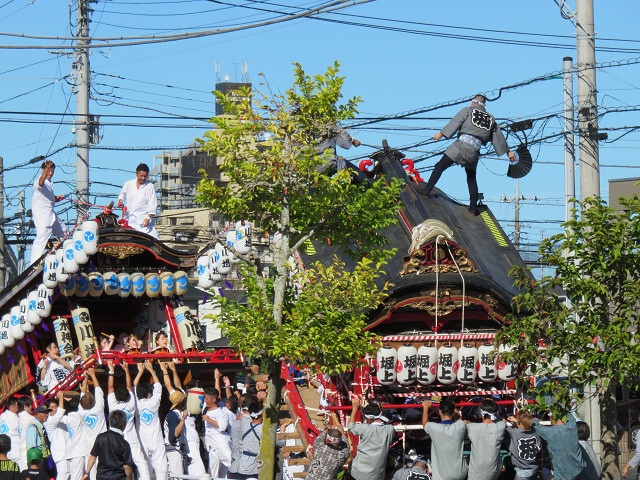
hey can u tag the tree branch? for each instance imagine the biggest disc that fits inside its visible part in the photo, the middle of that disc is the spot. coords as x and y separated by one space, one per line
318 226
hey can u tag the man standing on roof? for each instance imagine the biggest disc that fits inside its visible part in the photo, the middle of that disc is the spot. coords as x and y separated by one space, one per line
42 208
142 203
475 127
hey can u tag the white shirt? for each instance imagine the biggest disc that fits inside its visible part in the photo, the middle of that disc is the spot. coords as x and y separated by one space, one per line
76 438
55 373
43 203
94 419
24 420
232 418
212 435
141 202
10 425
57 433
149 426
129 408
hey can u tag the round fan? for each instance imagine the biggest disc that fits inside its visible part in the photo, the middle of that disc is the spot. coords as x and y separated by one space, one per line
522 165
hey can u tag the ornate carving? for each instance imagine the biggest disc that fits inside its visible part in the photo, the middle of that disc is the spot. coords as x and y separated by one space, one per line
120 251
444 308
423 259
107 220
490 300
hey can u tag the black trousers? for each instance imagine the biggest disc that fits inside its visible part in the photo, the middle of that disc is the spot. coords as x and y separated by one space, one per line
444 163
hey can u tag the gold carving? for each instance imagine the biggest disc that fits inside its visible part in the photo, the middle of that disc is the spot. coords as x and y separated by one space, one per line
414 262
120 251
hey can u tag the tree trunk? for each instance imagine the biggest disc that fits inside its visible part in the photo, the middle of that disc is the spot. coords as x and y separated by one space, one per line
608 420
270 422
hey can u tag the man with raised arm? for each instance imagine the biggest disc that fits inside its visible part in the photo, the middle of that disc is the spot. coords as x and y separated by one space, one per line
123 399
150 431
91 410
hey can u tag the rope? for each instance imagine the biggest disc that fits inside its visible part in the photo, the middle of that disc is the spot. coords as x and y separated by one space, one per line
464 295
437 286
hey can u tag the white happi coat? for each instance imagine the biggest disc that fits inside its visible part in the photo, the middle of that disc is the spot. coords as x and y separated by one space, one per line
141 202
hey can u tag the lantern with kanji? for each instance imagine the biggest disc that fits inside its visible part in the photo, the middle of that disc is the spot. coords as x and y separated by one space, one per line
167 284
49 277
407 364
63 337
387 358
427 364
182 282
124 279
138 284
111 283
506 370
468 360
488 363
189 329
61 273
447 364
43 305
84 332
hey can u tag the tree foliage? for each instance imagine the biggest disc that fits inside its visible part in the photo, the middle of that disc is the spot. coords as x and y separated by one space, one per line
589 341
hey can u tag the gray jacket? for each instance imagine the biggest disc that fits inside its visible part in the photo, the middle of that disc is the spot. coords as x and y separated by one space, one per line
478 123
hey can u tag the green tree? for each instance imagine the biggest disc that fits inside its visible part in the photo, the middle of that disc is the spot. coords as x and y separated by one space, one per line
591 340
276 185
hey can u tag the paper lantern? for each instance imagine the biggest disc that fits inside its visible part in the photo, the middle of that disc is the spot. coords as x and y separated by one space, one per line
182 282
387 358
137 280
24 309
447 364
68 288
5 336
157 315
231 242
82 285
406 368
61 273
63 337
488 363
69 261
84 332
243 237
43 305
90 237
49 277
111 283
167 284
143 318
32 315
124 279
195 400
214 270
188 329
204 275
14 329
96 284
468 360
79 255
427 364
152 284
222 257
506 370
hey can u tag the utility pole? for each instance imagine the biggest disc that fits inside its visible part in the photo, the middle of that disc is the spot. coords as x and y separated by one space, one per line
3 264
569 140
83 124
587 104
516 201
21 229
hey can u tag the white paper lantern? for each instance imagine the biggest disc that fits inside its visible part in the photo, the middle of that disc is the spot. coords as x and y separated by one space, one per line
24 309
96 284
61 273
222 257
43 306
488 362
406 369
152 284
189 329
111 283
137 280
49 277
506 370
468 360
243 237
14 330
32 314
69 261
5 335
124 279
68 288
182 282
447 364
387 358
427 364
79 254
231 241
204 275
90 237
167 284
82 285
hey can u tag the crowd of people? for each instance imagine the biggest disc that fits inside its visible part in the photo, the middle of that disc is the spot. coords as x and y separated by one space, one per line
122 435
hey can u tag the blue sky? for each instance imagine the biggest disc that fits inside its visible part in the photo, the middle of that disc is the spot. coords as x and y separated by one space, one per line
393 71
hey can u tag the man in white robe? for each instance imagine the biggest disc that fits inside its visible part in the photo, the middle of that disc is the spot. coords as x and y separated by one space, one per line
141 201
42 208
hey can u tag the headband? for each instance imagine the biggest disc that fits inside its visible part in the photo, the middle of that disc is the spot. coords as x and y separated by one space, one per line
492 416
333 440
256 414
377 417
